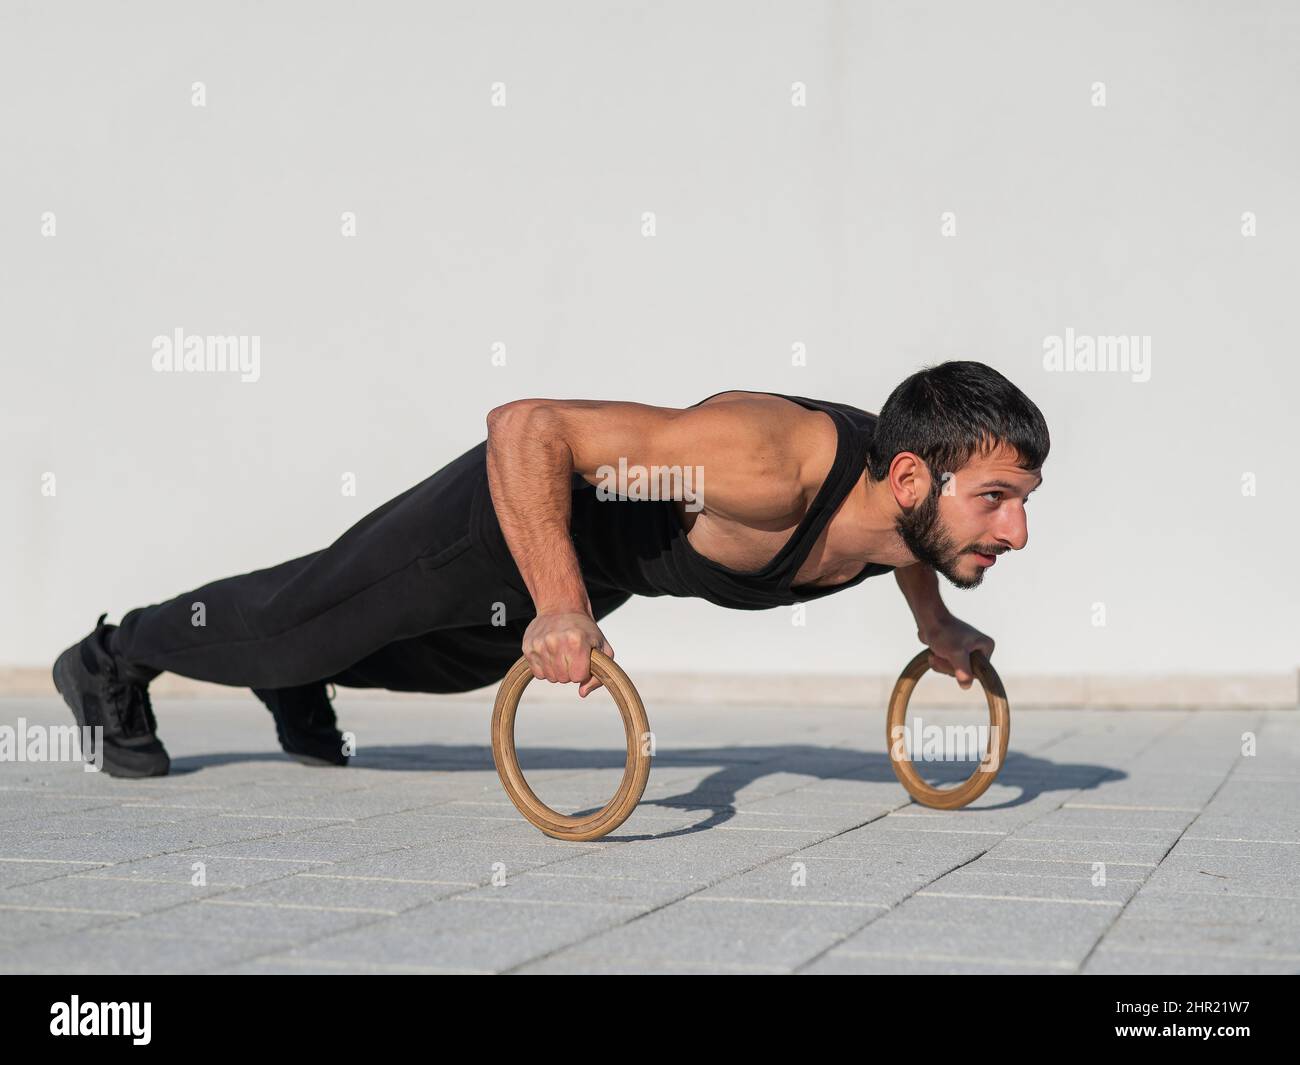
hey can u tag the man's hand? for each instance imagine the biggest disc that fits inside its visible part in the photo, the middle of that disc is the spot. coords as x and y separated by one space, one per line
558 647
951 642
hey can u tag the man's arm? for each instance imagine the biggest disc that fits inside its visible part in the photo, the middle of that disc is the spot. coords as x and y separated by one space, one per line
529 467
920 587
950 640
535 446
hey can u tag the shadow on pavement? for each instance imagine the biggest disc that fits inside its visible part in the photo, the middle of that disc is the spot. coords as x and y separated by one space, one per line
736 768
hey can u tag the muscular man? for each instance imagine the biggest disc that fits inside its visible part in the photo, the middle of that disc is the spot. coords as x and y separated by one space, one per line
514 545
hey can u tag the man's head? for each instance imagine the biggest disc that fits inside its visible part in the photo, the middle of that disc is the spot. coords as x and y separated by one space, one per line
960 448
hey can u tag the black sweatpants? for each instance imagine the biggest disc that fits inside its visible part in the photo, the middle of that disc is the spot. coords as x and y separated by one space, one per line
407 599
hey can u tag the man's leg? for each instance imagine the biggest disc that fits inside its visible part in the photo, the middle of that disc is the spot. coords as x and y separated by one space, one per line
407 568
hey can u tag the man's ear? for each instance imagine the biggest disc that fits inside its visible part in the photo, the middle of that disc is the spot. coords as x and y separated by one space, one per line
909 478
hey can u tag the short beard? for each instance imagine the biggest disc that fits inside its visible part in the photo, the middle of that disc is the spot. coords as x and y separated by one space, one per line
928 540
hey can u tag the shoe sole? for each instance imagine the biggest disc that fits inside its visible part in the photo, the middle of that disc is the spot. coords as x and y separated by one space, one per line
308 759
63 672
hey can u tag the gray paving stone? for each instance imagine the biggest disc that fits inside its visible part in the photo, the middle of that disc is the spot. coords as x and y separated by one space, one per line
1135 963
841 963
1116 817
1004 820
1208 908
1019 934
1028 914
973 880
812 803
1109 850
101 895
180 867
1236 882
22 925
696 859
464 861
273 926
1232 863
278 965
111 951
296 849
388 866
482 934
1238 850
1262 825
768 934
1157 786
552 884
379 834
573 963
1086 835
933 851
1054 871
16 871
1129 933
362 804
811 880
385 896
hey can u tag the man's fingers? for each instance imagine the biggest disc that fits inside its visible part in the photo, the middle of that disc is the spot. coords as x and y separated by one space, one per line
985 647
575 664
546 667
538 666
963 672
564 663
558 647
564 657
546 656
594 683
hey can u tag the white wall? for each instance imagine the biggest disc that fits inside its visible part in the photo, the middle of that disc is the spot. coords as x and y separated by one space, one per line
776 225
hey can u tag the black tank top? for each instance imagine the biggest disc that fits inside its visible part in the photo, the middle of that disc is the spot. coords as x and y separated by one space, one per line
640 547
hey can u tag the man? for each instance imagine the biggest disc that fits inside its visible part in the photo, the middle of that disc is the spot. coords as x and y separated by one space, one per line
517 544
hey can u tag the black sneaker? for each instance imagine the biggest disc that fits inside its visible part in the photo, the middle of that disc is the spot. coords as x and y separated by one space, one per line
305 723
101 690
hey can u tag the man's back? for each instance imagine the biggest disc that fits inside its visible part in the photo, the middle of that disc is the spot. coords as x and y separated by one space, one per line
773 469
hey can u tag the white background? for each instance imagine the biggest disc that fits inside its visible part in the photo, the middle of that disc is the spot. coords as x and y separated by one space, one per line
775 225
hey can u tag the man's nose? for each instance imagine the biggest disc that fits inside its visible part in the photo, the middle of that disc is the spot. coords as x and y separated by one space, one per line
1014 530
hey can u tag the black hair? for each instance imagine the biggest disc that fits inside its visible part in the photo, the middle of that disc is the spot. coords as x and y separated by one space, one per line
952 411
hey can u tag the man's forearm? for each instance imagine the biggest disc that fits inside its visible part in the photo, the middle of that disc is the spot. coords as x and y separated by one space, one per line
530 472
920 587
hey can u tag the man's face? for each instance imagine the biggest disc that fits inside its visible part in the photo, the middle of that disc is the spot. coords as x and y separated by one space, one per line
971 517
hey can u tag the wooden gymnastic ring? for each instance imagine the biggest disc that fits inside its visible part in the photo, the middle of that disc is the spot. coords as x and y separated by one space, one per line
994 756
636 726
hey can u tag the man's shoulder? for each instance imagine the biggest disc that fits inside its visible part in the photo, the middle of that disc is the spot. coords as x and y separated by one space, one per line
786 401
779 452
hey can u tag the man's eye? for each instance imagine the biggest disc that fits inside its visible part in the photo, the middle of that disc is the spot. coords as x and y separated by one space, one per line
995 495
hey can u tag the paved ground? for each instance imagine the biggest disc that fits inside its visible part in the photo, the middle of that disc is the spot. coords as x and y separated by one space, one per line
388 865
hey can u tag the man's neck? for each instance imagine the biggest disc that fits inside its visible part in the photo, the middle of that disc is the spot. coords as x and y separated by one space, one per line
866 526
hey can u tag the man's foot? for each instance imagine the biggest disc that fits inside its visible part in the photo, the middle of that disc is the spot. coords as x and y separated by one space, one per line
305 723
101 690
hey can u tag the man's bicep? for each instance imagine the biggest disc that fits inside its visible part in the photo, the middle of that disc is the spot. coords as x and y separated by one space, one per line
601 432
737 451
